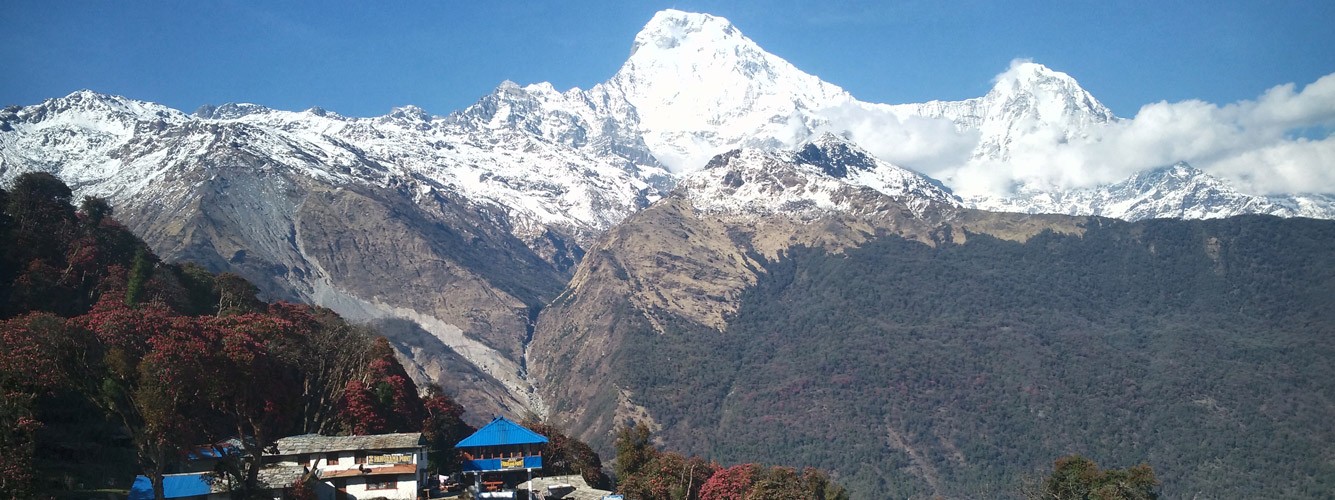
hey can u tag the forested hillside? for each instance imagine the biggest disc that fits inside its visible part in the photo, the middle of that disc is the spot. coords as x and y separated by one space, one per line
1201 347
113 363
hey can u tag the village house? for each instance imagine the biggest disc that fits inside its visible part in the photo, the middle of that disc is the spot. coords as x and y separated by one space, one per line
499 456
389 466
392 466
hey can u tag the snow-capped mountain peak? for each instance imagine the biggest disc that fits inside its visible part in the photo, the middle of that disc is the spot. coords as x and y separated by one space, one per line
410 113
1024 74
1028 98
827 174
1176 191
89 109
1054 97
701 87
1176 174
229 111
669 28
836 156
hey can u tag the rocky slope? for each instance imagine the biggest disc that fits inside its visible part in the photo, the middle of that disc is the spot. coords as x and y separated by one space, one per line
682 264
463 226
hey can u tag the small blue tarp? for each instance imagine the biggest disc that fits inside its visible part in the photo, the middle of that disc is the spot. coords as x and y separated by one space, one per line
501 432
173 486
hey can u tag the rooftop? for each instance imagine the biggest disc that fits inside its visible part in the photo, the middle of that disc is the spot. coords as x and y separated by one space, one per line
315 443
501 432
196 484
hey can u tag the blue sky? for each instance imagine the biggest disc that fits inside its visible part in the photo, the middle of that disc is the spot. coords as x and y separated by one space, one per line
363 58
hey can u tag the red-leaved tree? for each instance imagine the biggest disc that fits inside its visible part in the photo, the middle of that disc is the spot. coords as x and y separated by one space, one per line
384 399
33 348
731 483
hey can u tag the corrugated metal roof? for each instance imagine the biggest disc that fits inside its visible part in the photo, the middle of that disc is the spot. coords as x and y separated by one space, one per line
274 477
173 486
501 432
315 443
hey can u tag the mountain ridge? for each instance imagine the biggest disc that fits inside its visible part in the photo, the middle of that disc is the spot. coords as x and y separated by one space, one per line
533 176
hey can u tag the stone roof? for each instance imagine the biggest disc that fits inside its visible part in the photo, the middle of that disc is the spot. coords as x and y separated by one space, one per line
315 443
582 489
276 477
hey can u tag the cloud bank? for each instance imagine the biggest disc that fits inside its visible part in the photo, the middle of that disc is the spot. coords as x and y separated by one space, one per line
1281 142
925 144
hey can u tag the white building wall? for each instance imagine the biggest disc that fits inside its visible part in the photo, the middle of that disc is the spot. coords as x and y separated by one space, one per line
406 490
407 486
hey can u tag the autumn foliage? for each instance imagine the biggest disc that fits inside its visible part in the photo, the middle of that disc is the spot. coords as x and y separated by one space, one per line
1075 477
566 455
645 473
169 355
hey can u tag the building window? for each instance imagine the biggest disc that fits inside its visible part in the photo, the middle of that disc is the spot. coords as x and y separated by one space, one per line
331 459
359 458
382 484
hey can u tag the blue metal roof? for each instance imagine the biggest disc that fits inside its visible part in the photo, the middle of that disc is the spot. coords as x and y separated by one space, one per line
173 486
501 432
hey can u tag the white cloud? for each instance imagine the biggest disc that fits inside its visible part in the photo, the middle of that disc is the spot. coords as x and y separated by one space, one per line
1250 143
1289 166
928 144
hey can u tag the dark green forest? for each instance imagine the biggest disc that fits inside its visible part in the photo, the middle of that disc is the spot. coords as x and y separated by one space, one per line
1202 348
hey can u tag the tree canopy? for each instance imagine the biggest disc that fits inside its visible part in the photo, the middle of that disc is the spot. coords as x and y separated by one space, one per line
100 339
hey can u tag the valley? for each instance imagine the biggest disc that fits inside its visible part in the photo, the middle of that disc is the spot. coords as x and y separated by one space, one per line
754 263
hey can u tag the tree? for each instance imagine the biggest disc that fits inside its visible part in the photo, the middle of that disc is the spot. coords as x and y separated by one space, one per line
384 398
443 427
94 210
819 485
153 378
33 349
643 472
752 481
254 391
1075 477
201 296
778 483
39 205
668 476
173 392
39 288
566 455
634 450
235 295
139 274
332 353
731 483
